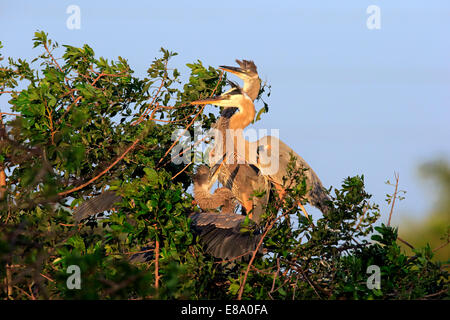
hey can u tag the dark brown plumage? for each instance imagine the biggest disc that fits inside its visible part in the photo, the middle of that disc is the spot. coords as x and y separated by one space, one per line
222 197
103 202
222 237
243 179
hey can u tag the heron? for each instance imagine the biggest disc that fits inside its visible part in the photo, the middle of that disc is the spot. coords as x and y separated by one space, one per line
236 97
222 197
221 234
243 179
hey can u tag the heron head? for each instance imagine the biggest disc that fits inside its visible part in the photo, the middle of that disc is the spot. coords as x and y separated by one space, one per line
201 176
245 71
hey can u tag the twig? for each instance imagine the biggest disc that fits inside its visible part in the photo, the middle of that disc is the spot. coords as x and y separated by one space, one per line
101 173
241 289
275 276
157 265
23 291
298 268
295 287
396 175
187 149
47 277
8 281
234 258
53 58
441 246
163 81
10 114
405 242
362 217
138 252
181 170
435 294
2 170
190 124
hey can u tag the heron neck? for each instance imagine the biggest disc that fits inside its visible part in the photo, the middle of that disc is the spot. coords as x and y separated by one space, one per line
244 116
251 88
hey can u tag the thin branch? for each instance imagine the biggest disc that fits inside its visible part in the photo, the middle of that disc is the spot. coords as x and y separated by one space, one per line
190 124
405 242
441 246
163 81
396 175
157 265
275 276
139 252
10 114
234 258
299 268
435 294
53 58
47 277
241 289
2 169
362 217
181 171
101 173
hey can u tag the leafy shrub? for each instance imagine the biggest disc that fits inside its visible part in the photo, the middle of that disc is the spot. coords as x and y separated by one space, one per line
83 123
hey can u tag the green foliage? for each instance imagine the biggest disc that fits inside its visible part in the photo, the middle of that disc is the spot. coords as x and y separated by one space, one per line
83 126
434 228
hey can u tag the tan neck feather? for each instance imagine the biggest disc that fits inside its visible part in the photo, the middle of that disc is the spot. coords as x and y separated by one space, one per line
251 88
244 117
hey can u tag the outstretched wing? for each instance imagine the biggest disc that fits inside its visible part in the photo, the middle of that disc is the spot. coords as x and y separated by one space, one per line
102 202
221 235
316 194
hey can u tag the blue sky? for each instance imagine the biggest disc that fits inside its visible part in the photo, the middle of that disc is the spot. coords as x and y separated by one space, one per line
347 99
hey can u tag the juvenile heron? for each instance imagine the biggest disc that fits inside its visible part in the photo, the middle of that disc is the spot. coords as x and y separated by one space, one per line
221 233
236 97
243 179
222 197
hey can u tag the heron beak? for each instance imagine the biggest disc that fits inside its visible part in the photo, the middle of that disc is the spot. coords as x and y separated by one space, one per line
214 169
211 100
235 70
